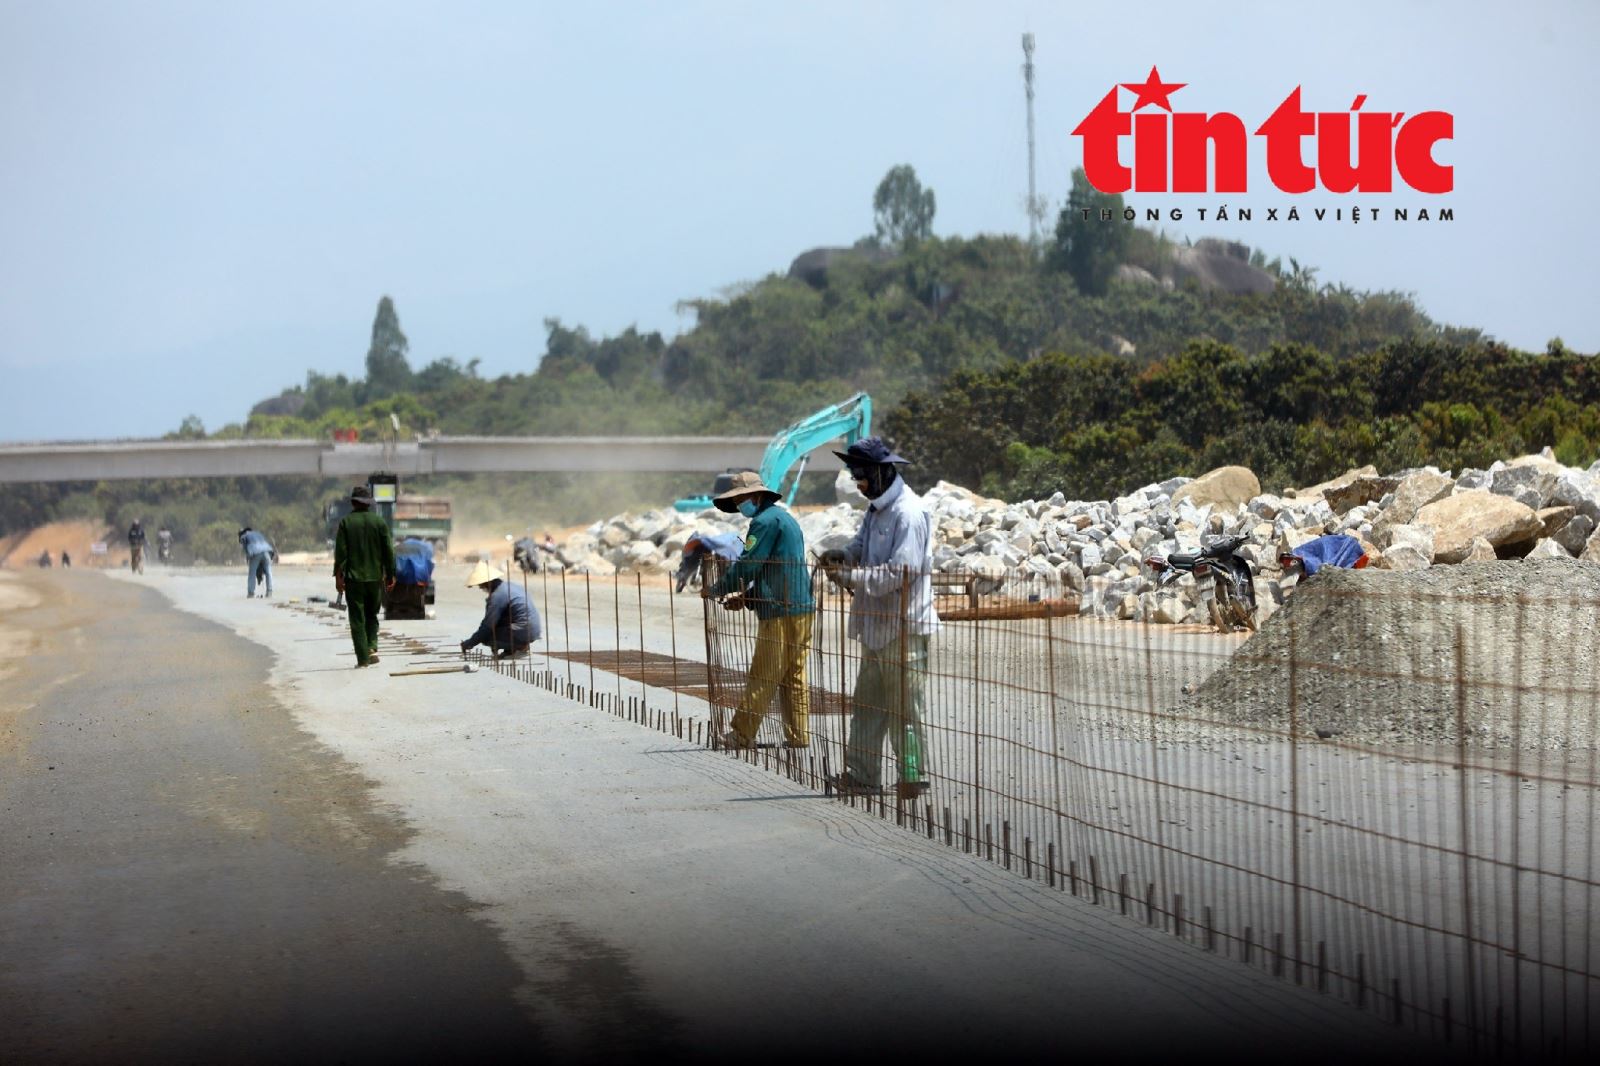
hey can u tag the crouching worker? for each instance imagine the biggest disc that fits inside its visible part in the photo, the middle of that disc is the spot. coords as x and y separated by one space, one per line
773 568
510 623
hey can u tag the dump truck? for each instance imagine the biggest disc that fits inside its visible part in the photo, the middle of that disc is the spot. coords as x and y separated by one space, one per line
424 517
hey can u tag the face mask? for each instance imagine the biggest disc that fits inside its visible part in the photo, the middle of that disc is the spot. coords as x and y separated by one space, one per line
747 508
878 480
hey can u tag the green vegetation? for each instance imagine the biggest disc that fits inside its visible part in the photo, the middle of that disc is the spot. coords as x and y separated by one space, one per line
995 366
902 209
1094 427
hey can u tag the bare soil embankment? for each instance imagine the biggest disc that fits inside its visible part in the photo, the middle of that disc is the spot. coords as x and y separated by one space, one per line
24 549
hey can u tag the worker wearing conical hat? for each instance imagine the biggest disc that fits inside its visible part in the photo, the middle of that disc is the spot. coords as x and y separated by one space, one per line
510 623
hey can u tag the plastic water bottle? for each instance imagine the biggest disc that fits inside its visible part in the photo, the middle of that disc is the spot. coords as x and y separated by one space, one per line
910 757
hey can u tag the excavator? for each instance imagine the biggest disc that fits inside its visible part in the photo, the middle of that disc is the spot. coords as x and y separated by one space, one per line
851 420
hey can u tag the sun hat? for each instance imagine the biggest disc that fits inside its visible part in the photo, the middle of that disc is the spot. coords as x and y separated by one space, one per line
360 494
742 483
481 575
870 451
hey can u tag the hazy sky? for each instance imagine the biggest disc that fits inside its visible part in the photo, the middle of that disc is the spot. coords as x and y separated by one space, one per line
199 201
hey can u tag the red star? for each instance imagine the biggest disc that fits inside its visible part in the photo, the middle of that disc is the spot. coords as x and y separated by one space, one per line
1153 91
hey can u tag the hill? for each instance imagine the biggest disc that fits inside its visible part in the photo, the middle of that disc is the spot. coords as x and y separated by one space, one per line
996 365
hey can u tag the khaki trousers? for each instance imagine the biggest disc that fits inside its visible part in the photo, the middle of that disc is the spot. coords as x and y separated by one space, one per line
782 645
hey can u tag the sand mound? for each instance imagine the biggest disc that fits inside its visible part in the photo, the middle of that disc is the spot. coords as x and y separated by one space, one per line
1388 657
23 549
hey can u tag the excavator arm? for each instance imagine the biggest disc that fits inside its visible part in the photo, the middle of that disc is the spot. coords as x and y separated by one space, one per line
790 449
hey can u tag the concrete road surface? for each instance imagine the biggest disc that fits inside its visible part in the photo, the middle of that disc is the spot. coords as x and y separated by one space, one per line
221 843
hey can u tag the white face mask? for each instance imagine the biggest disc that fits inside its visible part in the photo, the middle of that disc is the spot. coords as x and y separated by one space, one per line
747 508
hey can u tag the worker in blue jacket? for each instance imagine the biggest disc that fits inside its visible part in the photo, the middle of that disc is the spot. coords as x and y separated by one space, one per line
772 578
259 555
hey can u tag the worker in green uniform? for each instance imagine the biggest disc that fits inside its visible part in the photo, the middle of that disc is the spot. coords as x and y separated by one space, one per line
771 577
363 566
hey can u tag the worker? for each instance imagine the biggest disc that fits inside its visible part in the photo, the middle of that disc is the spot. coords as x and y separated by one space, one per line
45 562
363 566
510 623
259 556
136 546
889 566
525 553
164 544
770 576
66 559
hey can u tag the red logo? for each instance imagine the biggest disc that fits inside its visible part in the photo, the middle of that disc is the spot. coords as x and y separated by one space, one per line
1351 151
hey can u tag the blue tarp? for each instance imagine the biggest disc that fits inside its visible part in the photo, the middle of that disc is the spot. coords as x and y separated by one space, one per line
728 546
723 545
413 562
1336 549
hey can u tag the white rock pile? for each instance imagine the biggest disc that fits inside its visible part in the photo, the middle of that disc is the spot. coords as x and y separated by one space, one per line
1530 507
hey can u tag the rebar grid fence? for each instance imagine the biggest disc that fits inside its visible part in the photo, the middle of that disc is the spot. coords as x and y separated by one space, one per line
1388 798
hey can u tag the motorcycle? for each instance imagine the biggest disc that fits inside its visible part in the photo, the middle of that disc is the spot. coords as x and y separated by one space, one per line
1232 603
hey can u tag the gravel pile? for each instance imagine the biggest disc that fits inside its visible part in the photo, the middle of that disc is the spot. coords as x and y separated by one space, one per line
1388 657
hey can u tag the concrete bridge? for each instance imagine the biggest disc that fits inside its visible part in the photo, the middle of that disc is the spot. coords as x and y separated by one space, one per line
130 459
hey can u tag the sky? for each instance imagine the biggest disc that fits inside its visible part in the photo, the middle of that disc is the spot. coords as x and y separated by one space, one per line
200 202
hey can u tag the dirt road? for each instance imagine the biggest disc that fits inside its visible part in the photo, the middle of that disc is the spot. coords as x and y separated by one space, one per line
216 852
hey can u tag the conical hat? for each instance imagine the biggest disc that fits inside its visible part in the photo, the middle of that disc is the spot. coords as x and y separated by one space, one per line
481 575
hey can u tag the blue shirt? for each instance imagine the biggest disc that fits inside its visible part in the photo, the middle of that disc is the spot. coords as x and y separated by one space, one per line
256 544
508 614
895 539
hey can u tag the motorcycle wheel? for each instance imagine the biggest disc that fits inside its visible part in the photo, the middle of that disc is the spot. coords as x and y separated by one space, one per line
1244 616
1244 604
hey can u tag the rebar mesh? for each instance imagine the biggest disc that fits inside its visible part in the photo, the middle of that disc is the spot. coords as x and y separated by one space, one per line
1390 798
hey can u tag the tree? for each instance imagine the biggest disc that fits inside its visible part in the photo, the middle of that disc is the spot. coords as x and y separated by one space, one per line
1091 236
387 369
902 209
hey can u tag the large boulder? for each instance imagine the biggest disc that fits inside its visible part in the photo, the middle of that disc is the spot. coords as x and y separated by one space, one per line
1319 491
1359 491
1548 549
1415 491
1218 266
812 266
1458 520
1230 487
1408 548
1533 482
1575 534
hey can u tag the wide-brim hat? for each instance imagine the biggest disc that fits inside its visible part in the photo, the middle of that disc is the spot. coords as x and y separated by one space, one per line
870 451
481 575
360 494
743 483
